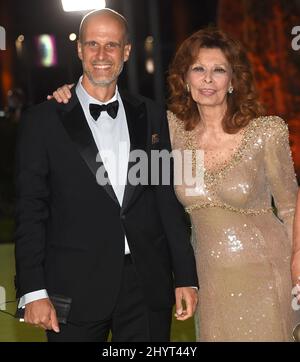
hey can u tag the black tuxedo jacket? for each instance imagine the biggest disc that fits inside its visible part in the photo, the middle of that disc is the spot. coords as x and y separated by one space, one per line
70 230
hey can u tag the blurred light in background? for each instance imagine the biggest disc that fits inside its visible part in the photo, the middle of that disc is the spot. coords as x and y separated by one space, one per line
20 38
72 36
82 5
46 48
2 38
19 44
149 43
150 68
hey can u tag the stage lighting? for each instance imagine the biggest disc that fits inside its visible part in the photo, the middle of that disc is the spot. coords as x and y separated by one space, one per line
46 50
82 5
72 36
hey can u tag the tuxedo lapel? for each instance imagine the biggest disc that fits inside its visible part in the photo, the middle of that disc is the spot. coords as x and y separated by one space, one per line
75 124
137 122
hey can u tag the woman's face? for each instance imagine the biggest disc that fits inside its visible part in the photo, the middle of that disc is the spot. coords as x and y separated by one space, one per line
209 78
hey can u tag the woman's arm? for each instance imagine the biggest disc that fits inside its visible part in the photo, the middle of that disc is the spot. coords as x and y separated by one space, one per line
280 172
295 262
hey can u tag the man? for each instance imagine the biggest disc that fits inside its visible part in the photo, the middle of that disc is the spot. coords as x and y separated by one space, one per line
113 249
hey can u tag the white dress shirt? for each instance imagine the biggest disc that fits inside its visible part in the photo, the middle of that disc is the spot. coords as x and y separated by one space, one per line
112 140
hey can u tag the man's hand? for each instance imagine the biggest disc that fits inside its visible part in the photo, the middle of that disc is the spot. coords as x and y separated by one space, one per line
41 313
190 297
62 94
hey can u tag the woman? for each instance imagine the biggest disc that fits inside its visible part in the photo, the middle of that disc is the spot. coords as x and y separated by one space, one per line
242 249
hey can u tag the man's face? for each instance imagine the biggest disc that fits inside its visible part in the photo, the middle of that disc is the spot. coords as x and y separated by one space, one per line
102 50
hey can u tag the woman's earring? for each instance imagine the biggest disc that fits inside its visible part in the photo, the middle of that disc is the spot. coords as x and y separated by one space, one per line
187 88
230 89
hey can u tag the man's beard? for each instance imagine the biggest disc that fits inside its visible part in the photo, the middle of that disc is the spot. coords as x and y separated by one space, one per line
104 82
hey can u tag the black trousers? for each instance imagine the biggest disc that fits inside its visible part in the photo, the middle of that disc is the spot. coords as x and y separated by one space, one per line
131 320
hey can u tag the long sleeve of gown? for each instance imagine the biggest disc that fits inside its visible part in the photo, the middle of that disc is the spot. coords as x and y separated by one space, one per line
280 172
172 125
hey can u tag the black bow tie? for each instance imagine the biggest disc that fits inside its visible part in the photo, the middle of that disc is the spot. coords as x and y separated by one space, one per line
110 108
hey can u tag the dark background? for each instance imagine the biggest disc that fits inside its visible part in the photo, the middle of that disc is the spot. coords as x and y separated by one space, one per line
263 26
173 20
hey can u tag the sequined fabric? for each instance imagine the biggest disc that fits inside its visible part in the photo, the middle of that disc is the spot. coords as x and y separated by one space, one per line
242 249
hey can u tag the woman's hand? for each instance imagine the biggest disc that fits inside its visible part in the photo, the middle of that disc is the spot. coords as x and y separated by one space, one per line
62 94
295 260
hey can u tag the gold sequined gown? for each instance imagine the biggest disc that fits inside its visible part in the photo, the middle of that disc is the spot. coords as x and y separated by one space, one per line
242 249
